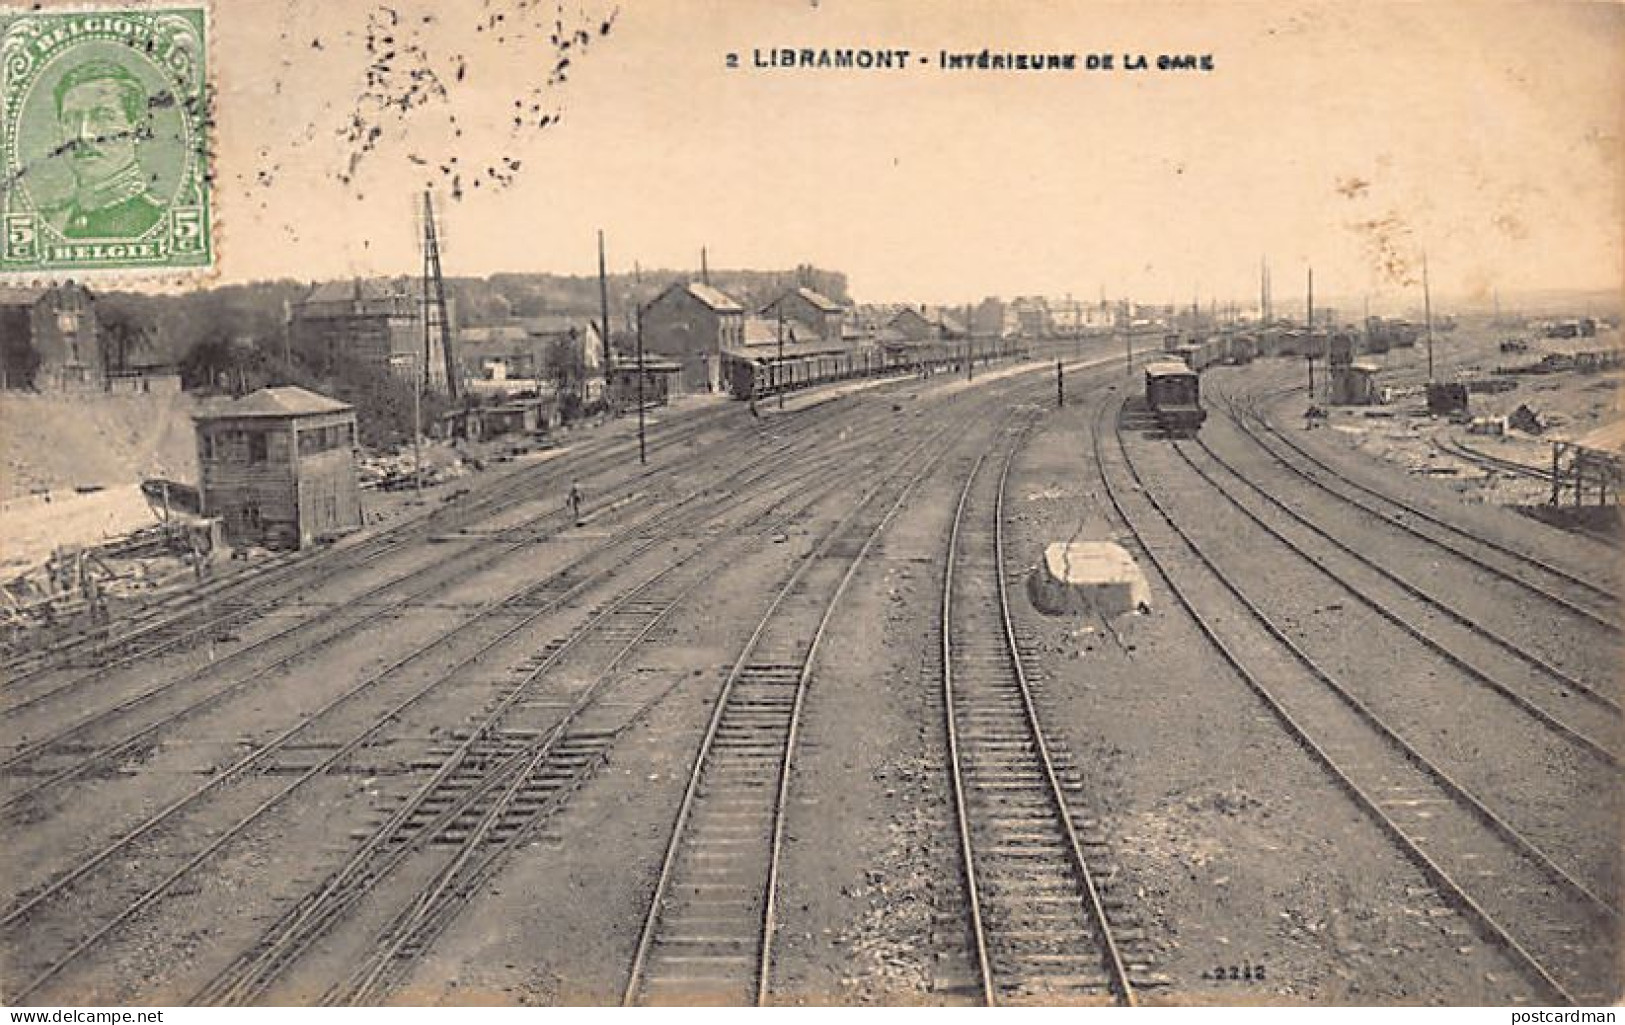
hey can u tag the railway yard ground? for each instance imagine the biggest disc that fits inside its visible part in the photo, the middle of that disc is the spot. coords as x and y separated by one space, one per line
775 721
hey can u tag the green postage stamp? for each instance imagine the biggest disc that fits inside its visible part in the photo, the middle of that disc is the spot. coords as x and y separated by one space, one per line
105 132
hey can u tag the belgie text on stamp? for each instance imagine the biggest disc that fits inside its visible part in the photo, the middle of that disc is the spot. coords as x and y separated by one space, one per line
104 136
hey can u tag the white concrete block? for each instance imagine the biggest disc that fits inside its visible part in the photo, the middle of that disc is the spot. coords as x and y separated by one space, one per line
1085 576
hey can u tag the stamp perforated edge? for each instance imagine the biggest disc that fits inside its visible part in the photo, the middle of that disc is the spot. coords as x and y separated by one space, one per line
161 278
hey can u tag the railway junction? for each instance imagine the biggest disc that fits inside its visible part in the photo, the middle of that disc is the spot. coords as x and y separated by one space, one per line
774 719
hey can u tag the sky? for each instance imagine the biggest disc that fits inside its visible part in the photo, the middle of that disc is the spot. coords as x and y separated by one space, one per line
1351 137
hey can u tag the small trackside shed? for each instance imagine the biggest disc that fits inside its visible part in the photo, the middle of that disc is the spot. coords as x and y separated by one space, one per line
278 467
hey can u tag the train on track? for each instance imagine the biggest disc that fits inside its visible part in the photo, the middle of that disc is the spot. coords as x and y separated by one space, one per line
1227 350
1173 396
756 377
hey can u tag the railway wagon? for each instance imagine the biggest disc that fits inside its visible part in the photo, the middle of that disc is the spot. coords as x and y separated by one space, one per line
1242 349
757 376
1199 356
1173 393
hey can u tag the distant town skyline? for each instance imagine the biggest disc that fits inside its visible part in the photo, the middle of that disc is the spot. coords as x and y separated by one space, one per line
1347 137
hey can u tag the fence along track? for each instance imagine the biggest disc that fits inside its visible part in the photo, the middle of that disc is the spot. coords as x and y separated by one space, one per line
1606 714
1550 924
1598 606
1038 921
481 808
546 598
708 936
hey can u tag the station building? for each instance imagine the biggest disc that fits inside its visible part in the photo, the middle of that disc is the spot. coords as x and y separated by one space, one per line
277 467
692 323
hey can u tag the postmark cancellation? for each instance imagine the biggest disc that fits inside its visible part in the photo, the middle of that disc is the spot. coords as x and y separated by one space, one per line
105 139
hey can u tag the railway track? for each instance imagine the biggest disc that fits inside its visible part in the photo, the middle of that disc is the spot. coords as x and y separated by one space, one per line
34 760
479 804
1493 464
154 859
1559 932
709 931
1570 592
186 619
363 710
1038 881
1535 686
1460 450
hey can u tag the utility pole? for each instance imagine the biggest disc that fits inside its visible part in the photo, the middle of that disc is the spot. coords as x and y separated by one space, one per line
643 453
1060 386
603 304
1309 338
417 431
1427 312
1263 292
779 368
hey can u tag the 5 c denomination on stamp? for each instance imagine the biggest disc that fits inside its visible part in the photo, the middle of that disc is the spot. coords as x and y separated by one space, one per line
104 130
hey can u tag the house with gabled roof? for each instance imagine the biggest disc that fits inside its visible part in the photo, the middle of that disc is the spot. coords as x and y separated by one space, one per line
807 307
692 323
926 324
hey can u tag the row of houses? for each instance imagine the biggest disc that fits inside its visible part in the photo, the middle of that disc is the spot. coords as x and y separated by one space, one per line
699 327
50 338
690 330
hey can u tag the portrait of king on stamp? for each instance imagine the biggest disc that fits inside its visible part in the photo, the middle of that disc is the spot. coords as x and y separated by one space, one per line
105 140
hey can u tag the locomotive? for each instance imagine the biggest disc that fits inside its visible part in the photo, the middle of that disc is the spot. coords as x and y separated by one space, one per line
1173 394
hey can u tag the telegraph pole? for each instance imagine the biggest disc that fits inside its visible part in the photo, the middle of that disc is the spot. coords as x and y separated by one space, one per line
643 453
417 430
1309 339
779 375
603 304
1427 312
1124 318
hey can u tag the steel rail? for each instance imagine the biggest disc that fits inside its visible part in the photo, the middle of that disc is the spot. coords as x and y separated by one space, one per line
1117 973
644 947
1097 909
21 910
685 808
511 489
1449 886
1240 418
341 888
427 910
461 571
984 968
1510 693
1515 650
